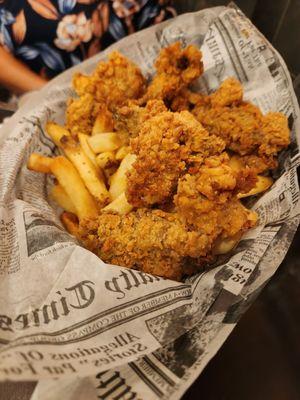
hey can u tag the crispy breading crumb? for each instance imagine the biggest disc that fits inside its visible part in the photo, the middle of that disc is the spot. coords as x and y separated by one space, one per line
164 147
176 69
113 82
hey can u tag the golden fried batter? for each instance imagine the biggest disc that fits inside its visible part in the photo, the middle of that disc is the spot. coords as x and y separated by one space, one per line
130 117
82 113
152 241
167 143
247 132
187 100
235 218
229 93
113 82
242 126
160 161
258 164
176 69
207 200
238 126
275 134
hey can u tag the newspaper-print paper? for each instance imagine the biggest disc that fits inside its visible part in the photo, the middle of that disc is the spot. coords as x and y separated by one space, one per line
129 335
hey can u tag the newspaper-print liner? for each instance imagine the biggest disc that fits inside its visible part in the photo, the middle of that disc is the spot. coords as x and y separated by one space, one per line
69 314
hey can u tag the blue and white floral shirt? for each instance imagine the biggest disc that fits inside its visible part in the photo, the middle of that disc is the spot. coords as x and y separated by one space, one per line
52 35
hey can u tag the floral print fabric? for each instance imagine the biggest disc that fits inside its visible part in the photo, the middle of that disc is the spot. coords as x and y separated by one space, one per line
52 35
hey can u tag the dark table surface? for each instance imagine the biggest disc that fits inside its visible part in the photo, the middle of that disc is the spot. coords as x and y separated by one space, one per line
261 358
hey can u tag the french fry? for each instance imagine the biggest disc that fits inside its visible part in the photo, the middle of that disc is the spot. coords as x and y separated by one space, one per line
86 169
119 205
70 180
56 132
106 159
109 172
70 222
102 142
263 183
118 180
225 245
122 152
59 195
103 123
39 163
83 140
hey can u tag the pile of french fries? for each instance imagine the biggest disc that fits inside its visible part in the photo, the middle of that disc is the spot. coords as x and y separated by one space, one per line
91 173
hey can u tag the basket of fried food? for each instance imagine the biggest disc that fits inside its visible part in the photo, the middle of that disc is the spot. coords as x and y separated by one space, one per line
153 175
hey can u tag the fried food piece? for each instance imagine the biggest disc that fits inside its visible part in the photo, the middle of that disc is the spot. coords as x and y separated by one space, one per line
84 143
39 163
103 142
263 183
59 195
70 222
258 164
186 63
57 132
113 82
216 179
71 182
229 93
160 161
82 113
247 177
276 134
104 122
92 176
122 152
106 159
118 181
82 84
187 100
242 126
130 117
247 132
253 162
176 69
119 205
152 241
208 200
166 145
235 219
225 245
238 126
111 85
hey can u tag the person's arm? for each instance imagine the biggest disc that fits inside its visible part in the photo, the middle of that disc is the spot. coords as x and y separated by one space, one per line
16 76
